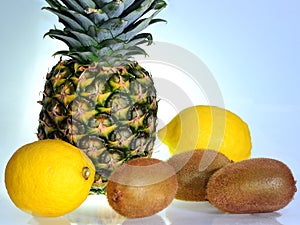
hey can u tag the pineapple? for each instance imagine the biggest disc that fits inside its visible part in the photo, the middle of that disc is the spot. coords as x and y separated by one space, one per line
97 97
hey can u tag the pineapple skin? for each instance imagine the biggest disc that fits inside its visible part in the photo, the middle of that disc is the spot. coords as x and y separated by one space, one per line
98 98
108 112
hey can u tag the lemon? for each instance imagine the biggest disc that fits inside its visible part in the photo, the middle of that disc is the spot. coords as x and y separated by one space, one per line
207 127
48 178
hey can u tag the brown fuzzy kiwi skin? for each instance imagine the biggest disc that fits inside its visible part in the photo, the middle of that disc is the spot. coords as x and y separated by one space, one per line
193 169
141 187
256 185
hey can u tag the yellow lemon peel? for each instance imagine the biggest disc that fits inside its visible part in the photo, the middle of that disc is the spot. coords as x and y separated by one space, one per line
49 178
207 127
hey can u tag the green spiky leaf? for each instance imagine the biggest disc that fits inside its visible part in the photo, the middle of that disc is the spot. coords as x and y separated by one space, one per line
84 56
96 15
141 39
84 21
116 26
98 29
67 39
113 44
159 4
114 9
67 21
137 27
127 3
103 34
86 3
54 3
136 11
73 5
84 39
62 52
101 3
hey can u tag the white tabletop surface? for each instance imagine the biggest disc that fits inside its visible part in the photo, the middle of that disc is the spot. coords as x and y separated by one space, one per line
96 211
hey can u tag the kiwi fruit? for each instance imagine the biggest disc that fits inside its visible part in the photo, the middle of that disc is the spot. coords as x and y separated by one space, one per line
141 187
255 185
193 169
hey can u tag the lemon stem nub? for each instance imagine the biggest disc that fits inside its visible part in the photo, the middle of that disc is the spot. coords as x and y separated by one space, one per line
86 172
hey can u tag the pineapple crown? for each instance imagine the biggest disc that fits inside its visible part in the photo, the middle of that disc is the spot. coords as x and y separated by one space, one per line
106 31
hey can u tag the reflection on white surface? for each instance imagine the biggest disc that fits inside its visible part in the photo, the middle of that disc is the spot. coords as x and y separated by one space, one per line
249 219
49 221
96 211
202 213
